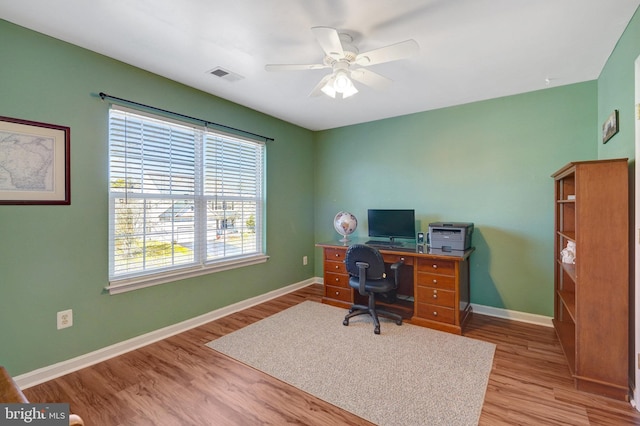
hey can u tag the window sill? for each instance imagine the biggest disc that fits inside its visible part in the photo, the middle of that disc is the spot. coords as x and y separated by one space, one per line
130 284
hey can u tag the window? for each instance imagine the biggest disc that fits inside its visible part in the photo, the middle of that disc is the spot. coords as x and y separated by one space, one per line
183 200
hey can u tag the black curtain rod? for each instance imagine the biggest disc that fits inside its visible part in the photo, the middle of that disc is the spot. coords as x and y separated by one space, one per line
104 96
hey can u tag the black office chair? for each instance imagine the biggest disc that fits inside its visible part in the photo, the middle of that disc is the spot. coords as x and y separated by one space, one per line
367 274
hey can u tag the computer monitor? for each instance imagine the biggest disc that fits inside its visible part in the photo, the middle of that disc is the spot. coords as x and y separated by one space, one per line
392 223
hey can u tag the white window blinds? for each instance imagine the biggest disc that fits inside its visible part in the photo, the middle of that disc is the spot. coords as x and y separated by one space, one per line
182 199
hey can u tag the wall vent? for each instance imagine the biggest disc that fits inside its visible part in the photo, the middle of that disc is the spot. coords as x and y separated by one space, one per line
225 74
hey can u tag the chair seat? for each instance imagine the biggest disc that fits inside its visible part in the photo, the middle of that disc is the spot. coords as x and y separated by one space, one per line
382 286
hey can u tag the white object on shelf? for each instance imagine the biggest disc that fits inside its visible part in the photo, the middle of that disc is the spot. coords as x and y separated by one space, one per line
569 253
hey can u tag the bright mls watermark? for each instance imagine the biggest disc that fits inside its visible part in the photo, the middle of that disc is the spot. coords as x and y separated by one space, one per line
34 414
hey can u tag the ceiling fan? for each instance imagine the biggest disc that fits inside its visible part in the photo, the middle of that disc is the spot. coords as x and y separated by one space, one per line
348 64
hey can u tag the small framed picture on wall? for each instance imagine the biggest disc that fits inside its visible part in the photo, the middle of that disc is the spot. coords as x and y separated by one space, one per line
610 127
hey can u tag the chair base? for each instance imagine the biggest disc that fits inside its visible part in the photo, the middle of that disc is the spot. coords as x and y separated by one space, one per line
356 310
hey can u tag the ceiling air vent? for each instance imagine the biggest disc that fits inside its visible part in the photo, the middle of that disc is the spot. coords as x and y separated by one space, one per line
225 74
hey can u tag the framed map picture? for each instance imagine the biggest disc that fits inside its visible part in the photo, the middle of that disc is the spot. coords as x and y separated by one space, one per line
34 162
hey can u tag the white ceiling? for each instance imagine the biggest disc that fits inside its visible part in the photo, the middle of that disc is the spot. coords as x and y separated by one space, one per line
470 50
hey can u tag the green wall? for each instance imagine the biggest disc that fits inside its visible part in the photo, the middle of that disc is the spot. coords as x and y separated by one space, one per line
55 257
488 163
616 90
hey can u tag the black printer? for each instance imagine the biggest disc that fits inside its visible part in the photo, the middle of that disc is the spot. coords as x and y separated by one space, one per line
450 235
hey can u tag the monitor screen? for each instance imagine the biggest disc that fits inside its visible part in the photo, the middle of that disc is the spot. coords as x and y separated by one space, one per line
392 223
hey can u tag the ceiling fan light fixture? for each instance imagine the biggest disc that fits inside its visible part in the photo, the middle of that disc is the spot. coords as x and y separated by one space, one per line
341 81
339 85
328 89
349 91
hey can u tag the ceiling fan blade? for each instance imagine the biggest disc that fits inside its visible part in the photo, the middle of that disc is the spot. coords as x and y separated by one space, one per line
404 49
370 78
294 67
329 40
317 91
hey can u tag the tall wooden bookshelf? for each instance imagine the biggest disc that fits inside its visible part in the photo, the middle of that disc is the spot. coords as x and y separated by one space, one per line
591 311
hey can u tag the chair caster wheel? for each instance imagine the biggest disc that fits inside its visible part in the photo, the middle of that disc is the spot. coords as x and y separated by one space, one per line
345 322
376 330
399 322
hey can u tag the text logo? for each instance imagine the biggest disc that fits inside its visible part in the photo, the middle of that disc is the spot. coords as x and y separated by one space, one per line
34 414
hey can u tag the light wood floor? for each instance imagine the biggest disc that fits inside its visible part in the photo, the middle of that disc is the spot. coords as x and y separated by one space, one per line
179 381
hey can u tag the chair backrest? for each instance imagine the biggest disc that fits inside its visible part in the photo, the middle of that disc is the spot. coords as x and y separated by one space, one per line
368 254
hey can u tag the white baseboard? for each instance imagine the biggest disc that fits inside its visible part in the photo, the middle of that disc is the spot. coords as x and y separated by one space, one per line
50 372
512 315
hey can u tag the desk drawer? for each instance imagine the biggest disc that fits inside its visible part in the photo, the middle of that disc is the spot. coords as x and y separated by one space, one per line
437 266
446 282
338 293
393 258
335 267
336 280
436 313
437 297
334 254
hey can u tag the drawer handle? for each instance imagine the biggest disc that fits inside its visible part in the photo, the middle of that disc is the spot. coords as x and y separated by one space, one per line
337 266
337 293
435 281
337 254
435 266
435 314
337 279
435 294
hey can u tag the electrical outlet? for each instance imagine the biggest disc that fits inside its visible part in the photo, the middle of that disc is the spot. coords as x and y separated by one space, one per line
65 319
305 260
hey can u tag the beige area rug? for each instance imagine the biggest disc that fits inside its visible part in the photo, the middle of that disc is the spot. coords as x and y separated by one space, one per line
407 375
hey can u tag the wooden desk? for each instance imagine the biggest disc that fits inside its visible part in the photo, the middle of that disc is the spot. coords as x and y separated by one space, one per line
433 290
